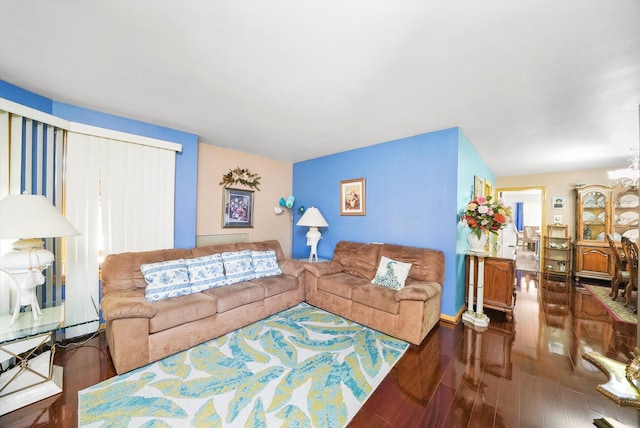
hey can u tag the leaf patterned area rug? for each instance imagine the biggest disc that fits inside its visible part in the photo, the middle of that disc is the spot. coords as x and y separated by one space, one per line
302 367
616 308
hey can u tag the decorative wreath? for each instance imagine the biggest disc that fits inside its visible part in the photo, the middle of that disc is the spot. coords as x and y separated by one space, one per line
242 176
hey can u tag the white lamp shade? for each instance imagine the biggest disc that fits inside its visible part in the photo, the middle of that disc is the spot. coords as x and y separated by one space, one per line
32 216
312 218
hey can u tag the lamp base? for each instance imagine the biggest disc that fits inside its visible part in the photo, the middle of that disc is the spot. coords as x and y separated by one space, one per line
24 266
313 236
28 244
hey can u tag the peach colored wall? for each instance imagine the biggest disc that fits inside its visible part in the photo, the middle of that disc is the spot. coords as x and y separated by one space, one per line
276 182
556 184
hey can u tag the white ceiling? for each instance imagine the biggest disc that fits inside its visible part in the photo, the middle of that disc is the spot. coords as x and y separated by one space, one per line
536 86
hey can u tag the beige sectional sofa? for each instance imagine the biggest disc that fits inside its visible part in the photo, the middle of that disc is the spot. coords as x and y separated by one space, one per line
343 286
140 331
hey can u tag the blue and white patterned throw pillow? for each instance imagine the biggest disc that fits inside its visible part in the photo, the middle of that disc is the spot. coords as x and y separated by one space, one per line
238 266
265 263
391 273
166 279
206 272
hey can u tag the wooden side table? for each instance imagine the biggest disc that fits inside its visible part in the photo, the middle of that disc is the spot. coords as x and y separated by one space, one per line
498 279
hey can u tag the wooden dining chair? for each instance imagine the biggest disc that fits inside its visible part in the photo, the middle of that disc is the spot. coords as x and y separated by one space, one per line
621 275
631 254
531 239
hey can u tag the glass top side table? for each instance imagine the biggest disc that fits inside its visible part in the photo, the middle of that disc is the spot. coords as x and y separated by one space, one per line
27 348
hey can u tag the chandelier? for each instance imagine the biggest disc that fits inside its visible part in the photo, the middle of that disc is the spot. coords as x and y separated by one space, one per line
627 177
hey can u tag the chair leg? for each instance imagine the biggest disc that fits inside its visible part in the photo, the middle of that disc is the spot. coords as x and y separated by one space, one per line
628 293
614 289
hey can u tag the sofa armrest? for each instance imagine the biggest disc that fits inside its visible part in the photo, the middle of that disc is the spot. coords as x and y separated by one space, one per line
418 291
291 267
126 304
324 268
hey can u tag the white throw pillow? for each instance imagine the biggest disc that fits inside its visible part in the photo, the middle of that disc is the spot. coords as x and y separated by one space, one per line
265 263
166 279
391 273
238 266
206 272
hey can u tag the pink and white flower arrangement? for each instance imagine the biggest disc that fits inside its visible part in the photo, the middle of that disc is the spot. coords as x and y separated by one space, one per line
483 213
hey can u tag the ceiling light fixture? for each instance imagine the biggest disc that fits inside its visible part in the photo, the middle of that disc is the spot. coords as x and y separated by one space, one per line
627 177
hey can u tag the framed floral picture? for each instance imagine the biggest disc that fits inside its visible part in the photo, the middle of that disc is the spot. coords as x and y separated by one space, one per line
353 197
237 208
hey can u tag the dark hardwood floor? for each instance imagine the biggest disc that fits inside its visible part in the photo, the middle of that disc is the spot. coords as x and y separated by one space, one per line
525 373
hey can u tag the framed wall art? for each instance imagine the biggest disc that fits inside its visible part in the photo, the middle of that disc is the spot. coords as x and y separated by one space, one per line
237 208
488 188
558 202
478 186
353 197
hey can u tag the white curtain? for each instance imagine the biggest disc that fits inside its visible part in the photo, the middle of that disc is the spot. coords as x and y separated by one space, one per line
30 161
120 196
4 191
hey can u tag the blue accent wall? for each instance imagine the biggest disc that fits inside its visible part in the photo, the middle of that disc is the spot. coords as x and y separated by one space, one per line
186 162
411 188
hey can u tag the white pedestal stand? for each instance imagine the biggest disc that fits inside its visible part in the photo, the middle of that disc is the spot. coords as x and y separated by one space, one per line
477 318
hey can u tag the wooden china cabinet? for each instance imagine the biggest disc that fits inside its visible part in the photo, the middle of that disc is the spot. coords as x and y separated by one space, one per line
602 210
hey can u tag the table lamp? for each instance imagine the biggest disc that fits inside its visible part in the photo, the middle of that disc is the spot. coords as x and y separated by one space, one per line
313 219
29 218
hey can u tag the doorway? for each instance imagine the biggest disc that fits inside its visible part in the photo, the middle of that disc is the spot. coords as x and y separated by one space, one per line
527 204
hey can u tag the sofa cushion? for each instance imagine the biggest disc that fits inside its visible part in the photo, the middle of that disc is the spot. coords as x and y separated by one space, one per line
426 264
374 296
166 279
274 285
180 310
233 296
206 272
391 273
341 284
357 259
263 246
238 266
213 249
122 271
419 291
265 263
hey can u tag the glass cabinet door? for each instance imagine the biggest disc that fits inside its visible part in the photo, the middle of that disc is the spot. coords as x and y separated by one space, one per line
594 216
625 215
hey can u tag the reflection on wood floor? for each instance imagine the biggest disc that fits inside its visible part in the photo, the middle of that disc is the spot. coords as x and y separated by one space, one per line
525 373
